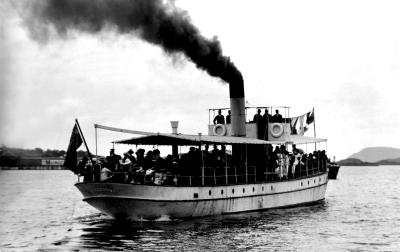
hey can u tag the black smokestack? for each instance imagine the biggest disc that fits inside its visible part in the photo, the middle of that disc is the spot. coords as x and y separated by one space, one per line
154 21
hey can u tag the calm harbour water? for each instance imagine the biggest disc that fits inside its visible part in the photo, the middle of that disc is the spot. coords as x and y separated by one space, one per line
361 212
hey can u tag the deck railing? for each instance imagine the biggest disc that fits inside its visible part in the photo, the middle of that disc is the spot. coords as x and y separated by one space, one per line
211 176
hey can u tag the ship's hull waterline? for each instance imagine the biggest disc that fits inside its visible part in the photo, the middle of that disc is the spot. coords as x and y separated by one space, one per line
132 201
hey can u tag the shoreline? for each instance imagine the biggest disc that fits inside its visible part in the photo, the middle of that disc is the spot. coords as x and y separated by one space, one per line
41 167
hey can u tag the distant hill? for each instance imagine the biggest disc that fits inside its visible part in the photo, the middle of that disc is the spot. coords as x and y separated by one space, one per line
354 162
394 161
358 162
375 154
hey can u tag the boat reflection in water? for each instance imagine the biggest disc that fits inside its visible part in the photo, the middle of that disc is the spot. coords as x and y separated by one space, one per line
208 232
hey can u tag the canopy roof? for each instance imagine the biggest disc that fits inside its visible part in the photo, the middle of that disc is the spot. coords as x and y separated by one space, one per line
182 139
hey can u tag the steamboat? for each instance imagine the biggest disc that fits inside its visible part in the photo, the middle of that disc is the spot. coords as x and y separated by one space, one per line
254 165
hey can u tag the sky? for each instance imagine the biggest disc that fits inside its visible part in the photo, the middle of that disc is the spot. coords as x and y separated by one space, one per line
340 57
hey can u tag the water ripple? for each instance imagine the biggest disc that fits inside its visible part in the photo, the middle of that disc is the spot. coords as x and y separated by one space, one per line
41 210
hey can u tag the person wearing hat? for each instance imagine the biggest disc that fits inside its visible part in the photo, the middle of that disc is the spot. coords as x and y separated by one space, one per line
140 157
130 156
219 119
258 119
228 117
114 160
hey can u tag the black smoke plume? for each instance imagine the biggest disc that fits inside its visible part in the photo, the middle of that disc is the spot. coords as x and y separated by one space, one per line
157 22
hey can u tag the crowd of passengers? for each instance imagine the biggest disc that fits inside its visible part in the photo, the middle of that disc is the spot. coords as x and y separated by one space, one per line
151 168
282 164
258 118
261 120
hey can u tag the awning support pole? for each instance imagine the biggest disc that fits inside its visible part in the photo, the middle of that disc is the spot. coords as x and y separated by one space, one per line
247 179
226 169
95 137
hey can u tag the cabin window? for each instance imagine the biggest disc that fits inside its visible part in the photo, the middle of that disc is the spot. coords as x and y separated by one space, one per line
272 188
319 179
209 192
301 183
233 191
314 181
253 189
244 190
262 188
308 182
195 195
222 192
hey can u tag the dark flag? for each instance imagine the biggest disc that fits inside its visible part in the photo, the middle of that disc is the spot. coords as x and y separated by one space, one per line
71 156
310 117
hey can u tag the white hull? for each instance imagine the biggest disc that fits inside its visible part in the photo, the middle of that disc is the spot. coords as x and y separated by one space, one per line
151 202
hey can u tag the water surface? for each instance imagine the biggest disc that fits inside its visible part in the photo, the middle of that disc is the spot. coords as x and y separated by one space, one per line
43 210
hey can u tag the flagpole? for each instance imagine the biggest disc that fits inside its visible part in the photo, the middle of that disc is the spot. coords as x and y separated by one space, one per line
315 134
84 141
95 137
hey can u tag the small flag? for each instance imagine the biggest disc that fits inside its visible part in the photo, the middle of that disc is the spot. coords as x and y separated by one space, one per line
310 117
293 124
71 157
301 119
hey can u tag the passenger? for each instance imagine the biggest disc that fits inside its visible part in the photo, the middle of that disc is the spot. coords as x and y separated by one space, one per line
222 155
128 161
219 119
266 116
295 150
114 160
228 117
120 174
88 172
131 157
81 165
266 119
277 150
140 157
108 163
148 161
283 150
159 168
257 117
96 171
324 158
206 156
158 161
310 162
304 165
215 156
277 118
105 174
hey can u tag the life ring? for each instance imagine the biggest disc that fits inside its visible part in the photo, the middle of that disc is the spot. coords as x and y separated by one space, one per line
219 130
276 130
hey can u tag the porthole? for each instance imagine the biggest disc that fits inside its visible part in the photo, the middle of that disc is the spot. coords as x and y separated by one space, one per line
244 190
222 192
233 191
253 189
209 192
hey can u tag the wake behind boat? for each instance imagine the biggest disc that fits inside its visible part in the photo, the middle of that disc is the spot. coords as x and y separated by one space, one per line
266 167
